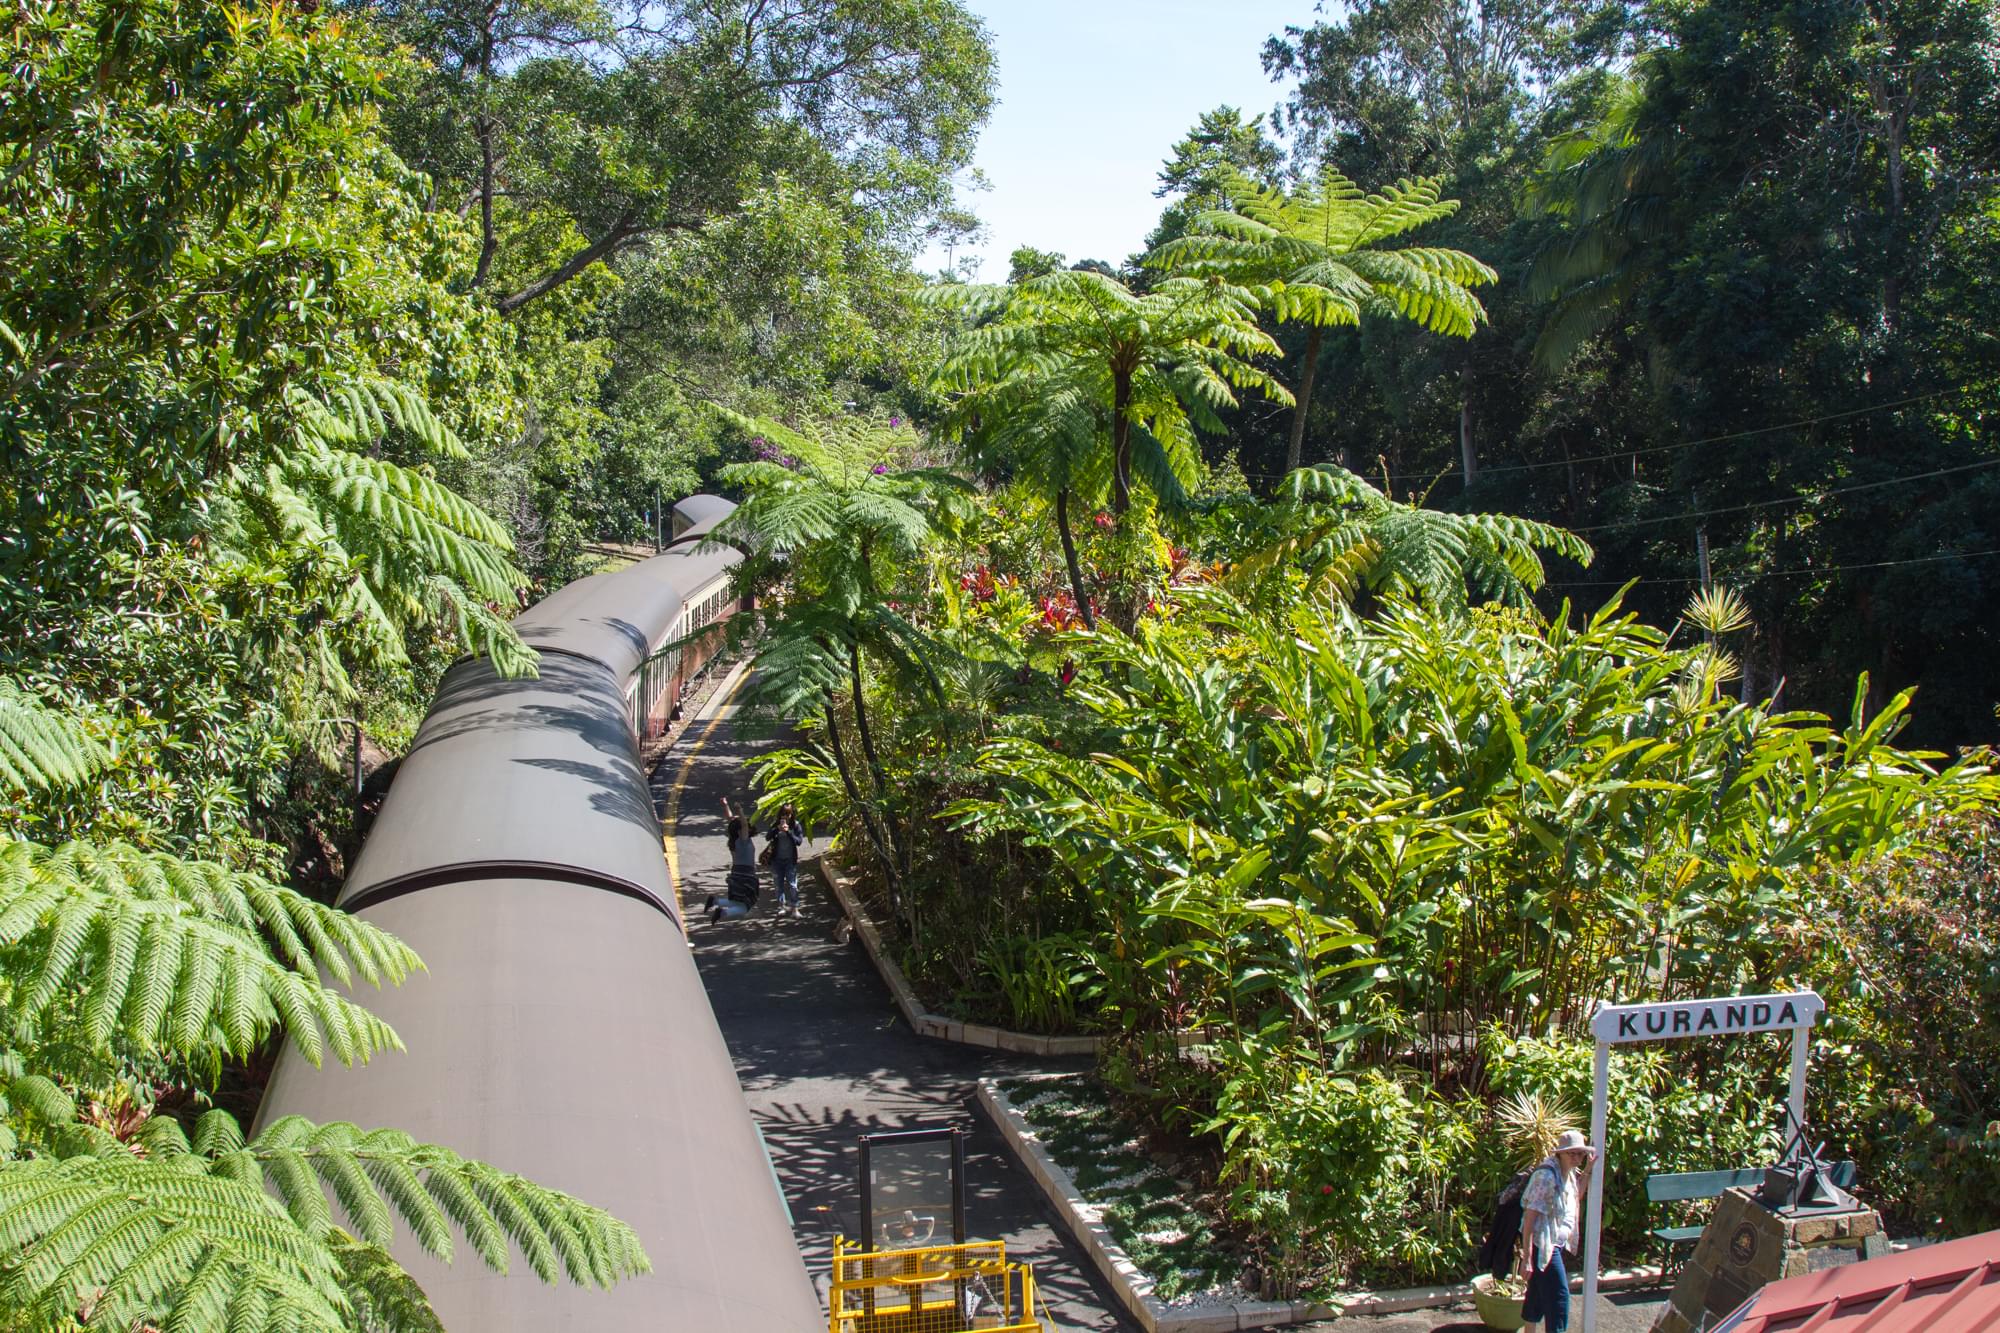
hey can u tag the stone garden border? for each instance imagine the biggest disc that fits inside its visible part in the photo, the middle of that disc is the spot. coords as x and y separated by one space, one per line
1134 1288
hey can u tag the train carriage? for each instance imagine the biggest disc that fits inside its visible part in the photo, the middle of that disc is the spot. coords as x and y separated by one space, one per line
561 1030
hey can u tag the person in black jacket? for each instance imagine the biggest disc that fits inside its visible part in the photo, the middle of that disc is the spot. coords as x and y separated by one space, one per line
787 837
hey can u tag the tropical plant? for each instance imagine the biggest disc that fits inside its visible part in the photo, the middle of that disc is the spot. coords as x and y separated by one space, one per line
1895 943
844 523
1318 1163
1045 431
1611 185
1504 819
1531 1122
422 553
214 382
1093 384
117 949
1343 536
1318 252
164 1232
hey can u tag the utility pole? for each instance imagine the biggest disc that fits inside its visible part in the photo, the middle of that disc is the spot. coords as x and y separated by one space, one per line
354 747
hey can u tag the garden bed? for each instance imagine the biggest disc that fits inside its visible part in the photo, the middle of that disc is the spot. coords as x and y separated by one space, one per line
1156 1217
848 891
1142 1225
1152 1234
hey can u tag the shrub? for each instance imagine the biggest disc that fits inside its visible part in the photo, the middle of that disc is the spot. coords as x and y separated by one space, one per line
1317 1165
1906 952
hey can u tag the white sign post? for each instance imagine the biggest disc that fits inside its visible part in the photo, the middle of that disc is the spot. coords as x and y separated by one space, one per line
1727 1016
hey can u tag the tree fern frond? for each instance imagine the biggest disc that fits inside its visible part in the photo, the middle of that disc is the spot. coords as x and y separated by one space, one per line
40 747
432 1189
396 526
384 1296
369 407
149 960
125 1242
1345 535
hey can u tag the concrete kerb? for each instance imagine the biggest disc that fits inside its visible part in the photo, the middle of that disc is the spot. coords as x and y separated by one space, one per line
1134 1289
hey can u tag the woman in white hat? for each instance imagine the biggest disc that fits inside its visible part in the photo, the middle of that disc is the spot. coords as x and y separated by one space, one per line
1550 1205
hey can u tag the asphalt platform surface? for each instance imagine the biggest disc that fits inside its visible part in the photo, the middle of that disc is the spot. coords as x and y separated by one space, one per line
824 1057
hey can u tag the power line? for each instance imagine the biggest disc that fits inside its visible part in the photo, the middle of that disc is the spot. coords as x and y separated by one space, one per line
1679 444
1733 435
1777 573
1789 499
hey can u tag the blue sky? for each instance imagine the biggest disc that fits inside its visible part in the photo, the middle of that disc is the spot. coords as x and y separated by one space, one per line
1093 94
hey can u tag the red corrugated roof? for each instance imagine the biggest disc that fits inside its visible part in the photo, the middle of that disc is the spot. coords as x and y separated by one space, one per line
1949 1288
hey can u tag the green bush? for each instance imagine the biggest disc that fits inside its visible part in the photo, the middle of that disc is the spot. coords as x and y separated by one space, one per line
1906 952
1317 1165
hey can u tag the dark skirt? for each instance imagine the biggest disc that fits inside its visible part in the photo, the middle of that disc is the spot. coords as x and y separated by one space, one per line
742 886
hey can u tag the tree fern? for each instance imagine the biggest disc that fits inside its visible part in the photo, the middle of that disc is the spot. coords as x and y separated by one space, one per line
379 1177
1609 185
1344 535
117 1242
1314 255
1151 359
1080 384
386 1299
840 483
415 551
179 956
220 1232
39 747
186 956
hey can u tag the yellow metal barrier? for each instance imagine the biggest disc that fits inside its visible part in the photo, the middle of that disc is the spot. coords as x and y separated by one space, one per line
931 1289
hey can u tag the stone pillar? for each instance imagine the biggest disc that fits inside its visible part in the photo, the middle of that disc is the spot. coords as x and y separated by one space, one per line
1747 1245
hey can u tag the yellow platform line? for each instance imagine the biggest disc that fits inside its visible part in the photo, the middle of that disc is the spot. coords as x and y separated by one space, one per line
673 815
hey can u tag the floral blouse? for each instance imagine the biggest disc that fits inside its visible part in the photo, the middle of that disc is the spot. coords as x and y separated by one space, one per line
1551 1192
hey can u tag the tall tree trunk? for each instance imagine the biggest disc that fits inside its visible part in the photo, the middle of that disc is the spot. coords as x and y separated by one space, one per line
483 128
1076 588
488 242
1121 442
1468 456
898 845
1894 111
1295 447
870 824
861 720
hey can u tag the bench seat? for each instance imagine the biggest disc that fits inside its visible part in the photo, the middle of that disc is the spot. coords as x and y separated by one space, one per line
1687 1186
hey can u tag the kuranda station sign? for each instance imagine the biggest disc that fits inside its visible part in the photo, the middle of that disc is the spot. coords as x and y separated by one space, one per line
1722 1016
1617 1024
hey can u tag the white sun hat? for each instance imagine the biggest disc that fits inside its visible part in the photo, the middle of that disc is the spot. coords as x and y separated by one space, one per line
1572 1141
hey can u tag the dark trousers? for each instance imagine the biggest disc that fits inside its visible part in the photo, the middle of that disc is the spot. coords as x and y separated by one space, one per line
1548 1296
